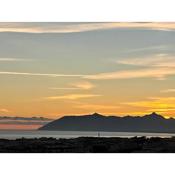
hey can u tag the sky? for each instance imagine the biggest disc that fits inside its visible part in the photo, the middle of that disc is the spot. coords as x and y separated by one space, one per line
57 69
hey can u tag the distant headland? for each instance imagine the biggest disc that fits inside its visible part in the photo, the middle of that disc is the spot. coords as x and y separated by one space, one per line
96 122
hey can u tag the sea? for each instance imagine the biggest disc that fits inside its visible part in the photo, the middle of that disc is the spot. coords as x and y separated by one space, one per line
15 134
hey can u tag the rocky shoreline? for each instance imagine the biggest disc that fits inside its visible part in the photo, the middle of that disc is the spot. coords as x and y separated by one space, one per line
89 145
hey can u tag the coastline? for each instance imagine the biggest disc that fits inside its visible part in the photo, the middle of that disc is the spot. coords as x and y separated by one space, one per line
30 134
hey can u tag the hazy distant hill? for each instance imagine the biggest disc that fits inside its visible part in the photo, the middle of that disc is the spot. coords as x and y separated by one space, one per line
96 122
24 120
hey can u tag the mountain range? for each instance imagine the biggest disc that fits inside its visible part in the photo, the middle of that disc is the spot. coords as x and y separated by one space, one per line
96 122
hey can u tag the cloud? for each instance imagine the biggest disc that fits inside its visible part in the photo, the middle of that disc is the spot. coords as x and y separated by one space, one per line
24 121
63 88
14 59
4 110
167 90
162 98
53 27
164 105
161 110
154 66
159 60
40 74
79 27
84 85
158 73
140 73
161 47
96 106
161 103
71 97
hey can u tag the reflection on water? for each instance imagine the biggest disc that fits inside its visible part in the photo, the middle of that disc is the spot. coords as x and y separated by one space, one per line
73 134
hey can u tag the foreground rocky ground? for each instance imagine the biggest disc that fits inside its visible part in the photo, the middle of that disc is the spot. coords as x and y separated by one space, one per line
89 145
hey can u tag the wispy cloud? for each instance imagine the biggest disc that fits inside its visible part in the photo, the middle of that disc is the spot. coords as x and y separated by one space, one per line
158 73
167 90
63 88
161 110
162 103
14 59
84 85
162 98
96 106
3 110
158 60
54 27
40 74
153 66
151 48
71 96
79 27
24 121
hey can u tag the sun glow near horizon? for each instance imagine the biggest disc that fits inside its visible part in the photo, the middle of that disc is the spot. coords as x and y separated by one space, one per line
57 69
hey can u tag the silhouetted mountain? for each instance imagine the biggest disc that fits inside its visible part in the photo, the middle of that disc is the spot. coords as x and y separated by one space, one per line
97 122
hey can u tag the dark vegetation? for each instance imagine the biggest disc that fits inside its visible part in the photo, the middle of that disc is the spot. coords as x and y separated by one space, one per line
89 145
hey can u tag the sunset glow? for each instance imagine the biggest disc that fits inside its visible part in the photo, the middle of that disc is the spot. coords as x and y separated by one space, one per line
57 69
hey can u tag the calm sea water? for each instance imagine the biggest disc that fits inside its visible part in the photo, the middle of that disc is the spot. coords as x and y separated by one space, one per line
73 134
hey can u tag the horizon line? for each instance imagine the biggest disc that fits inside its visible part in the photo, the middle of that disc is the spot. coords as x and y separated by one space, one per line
93 113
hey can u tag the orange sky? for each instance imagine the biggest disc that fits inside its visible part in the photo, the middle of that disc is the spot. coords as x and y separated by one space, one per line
19 127
56 69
